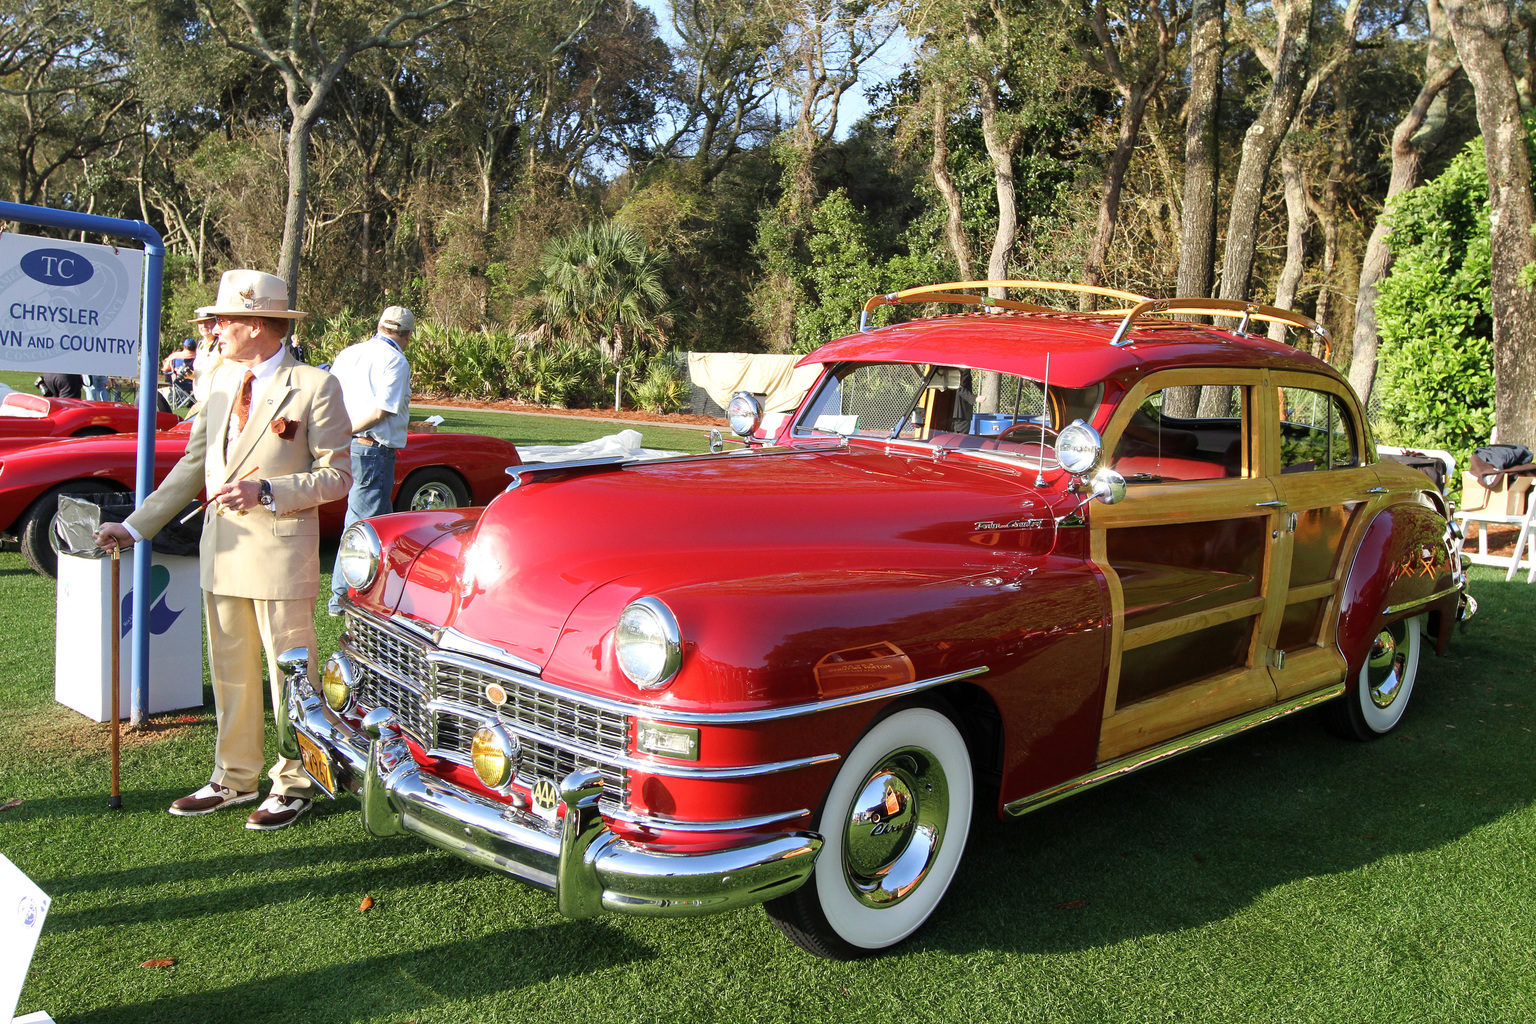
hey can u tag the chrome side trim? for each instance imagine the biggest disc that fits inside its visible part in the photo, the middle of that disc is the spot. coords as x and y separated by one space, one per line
1420 602
811 707
453 640
1172 748
662 823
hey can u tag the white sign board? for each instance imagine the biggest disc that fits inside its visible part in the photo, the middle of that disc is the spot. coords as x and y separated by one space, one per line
22 909
69 307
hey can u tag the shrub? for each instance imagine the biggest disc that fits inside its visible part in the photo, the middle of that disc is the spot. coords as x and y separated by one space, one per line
1435 313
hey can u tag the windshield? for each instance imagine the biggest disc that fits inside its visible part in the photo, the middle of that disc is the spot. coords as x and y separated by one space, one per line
944 406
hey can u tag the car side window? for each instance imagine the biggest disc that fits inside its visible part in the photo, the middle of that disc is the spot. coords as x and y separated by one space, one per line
1184 434
1315 432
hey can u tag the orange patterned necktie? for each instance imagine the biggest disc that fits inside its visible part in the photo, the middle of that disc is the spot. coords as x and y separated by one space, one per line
243 402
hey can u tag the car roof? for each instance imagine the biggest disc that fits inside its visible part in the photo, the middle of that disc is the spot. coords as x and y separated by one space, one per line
1078 345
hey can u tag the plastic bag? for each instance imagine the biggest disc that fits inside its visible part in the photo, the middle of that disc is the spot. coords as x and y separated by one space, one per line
80 514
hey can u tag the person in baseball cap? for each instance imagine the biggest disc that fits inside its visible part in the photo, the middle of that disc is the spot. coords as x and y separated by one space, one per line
376 383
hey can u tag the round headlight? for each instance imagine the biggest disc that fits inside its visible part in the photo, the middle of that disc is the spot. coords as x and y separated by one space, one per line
648 643
1078 448
745 413
358 555
336 682
492 752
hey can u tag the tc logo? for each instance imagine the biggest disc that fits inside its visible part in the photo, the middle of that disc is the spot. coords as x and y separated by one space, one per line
161 615
57 267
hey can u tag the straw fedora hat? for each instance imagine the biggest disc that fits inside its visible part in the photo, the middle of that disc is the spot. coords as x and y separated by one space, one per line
252 293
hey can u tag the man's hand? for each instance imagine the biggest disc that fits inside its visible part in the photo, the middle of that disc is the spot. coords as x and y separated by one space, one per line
237 495
111 536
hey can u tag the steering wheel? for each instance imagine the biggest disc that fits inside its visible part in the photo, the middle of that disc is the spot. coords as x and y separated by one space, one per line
1029 433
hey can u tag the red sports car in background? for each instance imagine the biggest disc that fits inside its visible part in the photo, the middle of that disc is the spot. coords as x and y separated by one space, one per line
432 471
26 418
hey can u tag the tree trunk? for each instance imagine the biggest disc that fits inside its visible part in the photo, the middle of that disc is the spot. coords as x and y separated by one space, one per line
1197 240
1197 244
1295 236
954 222
1262 140
298 196
1481 29
1114 180
1420 130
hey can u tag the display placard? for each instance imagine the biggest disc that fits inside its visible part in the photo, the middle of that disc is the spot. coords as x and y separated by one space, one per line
69 307
22 909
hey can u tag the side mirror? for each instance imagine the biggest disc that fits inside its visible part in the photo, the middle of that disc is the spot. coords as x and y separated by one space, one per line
1108 486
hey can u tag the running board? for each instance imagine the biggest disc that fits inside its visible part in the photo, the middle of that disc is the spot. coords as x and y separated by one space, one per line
1163 751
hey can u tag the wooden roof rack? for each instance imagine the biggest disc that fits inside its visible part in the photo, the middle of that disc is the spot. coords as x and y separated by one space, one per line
943 293
1236 308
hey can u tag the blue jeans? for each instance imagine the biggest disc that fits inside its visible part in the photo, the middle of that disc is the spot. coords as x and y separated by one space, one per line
373 488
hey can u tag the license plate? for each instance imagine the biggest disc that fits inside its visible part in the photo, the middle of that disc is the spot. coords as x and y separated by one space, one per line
316 763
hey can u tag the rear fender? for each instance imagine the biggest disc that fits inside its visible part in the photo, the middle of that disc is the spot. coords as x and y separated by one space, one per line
1402 568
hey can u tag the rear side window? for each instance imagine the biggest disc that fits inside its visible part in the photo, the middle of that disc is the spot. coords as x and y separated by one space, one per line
1315 432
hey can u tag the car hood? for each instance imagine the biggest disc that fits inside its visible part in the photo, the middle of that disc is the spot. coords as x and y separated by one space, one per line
780 516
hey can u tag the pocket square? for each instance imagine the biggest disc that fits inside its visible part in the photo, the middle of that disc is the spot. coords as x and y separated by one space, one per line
285 428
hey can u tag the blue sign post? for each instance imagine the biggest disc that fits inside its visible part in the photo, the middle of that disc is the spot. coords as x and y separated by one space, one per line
149 364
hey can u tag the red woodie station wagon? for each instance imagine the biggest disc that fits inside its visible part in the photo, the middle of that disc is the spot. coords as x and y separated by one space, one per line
1015 552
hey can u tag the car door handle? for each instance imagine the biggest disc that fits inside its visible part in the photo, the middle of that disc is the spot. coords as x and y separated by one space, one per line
1277 503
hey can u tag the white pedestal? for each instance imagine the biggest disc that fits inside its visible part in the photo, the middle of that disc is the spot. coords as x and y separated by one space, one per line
24 906
83 652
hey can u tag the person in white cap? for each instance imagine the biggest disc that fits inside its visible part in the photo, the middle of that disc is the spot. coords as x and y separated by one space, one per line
269 448
208 357
376 383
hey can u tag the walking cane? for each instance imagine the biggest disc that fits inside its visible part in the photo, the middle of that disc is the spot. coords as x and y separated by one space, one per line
116 801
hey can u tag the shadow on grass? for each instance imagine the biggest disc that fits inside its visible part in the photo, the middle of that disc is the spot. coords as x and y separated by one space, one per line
158 906
1200 839
398 985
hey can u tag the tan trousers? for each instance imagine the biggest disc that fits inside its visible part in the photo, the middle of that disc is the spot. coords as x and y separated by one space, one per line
239 630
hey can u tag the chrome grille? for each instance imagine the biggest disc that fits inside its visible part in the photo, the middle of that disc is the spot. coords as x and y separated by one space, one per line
405 657
394 671
377 690
604 731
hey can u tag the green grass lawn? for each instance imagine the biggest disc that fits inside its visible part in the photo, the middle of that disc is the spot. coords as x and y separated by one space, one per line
1281 876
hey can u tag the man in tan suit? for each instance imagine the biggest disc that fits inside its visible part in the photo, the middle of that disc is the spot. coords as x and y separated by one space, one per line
269 447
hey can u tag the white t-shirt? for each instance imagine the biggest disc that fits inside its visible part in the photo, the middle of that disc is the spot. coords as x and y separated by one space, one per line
375 375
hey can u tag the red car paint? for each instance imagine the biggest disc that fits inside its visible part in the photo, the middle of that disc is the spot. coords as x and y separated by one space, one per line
25 419
26 473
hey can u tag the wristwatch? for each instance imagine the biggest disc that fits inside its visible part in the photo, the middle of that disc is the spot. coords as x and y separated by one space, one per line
265 497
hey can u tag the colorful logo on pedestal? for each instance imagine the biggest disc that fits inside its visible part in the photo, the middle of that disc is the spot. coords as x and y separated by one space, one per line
161 615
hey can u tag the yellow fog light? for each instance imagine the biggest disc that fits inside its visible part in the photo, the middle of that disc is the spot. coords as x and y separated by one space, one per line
336 682
667 740
492 753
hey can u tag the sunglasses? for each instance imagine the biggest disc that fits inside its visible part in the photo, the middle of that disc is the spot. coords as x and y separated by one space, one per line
225 321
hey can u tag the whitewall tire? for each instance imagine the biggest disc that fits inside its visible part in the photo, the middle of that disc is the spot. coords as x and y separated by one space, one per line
894 827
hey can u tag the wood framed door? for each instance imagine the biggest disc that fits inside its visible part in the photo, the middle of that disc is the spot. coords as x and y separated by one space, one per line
1190 557
1314 451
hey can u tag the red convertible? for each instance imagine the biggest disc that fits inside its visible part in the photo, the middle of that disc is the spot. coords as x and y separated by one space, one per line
24 419
995 558
432 471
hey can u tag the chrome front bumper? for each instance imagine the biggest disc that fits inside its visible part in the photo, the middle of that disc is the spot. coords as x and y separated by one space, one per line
588 867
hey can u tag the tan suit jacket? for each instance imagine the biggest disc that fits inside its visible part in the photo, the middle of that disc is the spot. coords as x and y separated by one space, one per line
266 555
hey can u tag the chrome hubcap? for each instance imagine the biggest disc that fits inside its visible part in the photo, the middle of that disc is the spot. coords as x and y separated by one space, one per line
1385 669
433 496
895 827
